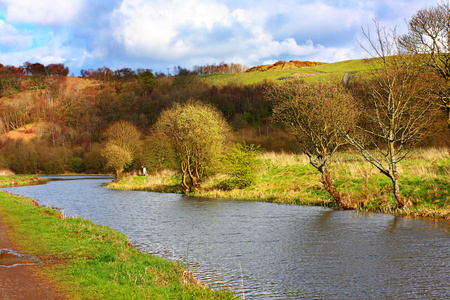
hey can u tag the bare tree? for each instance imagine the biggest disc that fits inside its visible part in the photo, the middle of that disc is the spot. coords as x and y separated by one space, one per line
429 38
318 115
397 109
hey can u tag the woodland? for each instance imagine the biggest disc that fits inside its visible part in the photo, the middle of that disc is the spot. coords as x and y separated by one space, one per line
67 116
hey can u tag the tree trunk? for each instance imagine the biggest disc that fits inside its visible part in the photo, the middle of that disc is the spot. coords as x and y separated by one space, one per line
331 189
448 112
393 173
118 174
184 185
195 183
401 202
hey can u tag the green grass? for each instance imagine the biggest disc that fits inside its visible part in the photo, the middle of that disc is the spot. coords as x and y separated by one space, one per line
323 72
165 182
87 261
289 179
18 180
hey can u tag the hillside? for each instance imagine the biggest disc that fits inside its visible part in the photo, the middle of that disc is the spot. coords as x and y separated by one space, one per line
20 109
313 72
34 99
282 65
25 133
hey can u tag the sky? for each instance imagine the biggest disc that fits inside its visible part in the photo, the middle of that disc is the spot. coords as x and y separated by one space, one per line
161 34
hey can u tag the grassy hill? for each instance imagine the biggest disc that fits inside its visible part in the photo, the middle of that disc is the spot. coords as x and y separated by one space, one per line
331 71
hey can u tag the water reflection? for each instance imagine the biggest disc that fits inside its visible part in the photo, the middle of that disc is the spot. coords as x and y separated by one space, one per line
285 252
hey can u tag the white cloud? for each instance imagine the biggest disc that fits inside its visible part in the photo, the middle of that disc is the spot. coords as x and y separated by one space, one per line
125 33
53 52
150 28
13 39
42 12
319 16
171 30
269 62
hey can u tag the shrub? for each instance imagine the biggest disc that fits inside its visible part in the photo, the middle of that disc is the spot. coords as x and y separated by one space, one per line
241 164
196 133
77 165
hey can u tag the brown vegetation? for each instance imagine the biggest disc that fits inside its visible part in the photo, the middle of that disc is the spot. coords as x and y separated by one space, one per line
297 75
428 38
317 115
397 107
282 65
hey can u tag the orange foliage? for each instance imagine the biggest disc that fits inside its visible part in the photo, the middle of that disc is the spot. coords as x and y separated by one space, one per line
282 65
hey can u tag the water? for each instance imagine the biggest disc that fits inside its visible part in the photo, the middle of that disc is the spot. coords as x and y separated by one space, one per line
11 258
284 252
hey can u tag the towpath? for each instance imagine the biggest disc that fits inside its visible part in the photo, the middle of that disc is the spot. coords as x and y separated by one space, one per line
22 281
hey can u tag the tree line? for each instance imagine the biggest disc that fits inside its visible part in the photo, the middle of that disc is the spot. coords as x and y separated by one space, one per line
71 122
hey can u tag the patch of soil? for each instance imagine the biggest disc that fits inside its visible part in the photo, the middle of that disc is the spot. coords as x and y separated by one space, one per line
25 134
23 281
282 65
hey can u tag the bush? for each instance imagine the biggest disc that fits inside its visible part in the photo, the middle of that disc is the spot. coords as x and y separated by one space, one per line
196 132
158 154
241 164
117 158
77 165
94 162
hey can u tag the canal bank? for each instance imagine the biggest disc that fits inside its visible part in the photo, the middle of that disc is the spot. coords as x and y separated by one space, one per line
82 260
289 179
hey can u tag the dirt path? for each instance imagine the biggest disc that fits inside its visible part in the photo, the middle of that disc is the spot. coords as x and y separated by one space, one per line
22 281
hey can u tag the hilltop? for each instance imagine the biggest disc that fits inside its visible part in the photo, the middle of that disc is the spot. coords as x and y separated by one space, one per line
282 65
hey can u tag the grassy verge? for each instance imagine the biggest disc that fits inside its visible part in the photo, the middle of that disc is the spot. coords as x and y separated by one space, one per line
87 261
289 179
18 180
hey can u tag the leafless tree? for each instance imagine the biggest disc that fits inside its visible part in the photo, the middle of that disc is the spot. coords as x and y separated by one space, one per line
317 114
397 107
429 38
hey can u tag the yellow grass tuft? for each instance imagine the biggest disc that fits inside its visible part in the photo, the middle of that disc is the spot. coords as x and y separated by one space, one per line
6 172
431 153
284 159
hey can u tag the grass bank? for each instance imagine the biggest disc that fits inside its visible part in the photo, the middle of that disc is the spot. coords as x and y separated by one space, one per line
18 180
289 179
87 261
